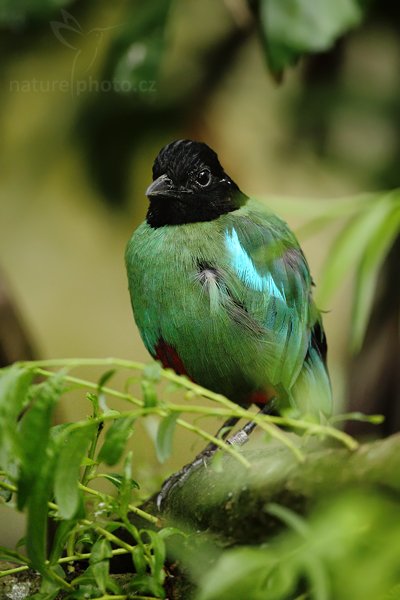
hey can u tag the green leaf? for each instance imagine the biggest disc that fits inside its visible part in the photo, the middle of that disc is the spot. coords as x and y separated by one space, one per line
71 454
50 588
101 551
149 394
112 526
88 462
104 379
21 542
167 532
146 584
140 49
116 440
294 27
243 573
153 371
289 517
119 480
14 387
349 246
101 572
60 537
37 517
357 416
157 546
125 491
100 563
139 560
165 436
6 495
34 435
217 462
317 575
12 556
367 273
38 452
86 581
87 537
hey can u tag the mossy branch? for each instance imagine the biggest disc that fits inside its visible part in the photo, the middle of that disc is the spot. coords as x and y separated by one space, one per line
231 502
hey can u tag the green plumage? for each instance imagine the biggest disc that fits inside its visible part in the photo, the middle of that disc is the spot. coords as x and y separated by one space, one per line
232 296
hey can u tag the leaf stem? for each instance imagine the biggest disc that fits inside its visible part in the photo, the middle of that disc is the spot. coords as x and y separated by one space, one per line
218 442
264 421
137 511
64 559
14 570
84 383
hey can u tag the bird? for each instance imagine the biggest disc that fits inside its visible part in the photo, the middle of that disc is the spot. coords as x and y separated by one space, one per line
221 290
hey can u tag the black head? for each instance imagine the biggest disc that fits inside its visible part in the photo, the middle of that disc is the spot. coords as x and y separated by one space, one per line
189 185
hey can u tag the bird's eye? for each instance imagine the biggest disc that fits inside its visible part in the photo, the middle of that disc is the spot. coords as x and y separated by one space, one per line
204 177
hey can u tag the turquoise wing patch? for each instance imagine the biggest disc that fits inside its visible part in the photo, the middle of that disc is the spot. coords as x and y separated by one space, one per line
246 270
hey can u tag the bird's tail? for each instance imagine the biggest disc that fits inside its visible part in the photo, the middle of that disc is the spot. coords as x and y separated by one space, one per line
311 395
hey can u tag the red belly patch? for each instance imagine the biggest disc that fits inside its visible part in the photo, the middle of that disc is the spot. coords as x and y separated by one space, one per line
169 357
260 398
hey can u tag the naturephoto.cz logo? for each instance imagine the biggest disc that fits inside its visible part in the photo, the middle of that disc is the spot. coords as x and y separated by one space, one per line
85 48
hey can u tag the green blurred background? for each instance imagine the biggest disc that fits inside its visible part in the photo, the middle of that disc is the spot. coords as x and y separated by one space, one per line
89 93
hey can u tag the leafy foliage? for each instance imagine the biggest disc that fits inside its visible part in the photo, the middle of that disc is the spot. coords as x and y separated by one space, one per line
139 49
292 28
346 549
48 471
364 242
20 12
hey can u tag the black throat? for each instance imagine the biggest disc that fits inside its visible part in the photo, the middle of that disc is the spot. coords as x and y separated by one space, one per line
176 211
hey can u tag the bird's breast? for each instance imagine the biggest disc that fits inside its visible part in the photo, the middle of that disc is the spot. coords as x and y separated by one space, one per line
188 303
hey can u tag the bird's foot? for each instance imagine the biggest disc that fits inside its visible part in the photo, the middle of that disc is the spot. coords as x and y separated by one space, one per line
202 460
238 439
178 479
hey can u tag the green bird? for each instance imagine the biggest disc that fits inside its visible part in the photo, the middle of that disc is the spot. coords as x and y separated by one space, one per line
221 290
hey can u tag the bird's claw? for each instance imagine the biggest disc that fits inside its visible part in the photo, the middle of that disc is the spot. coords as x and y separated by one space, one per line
179 478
